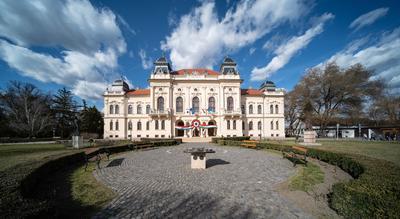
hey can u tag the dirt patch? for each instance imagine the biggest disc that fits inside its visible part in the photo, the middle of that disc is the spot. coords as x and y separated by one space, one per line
315 201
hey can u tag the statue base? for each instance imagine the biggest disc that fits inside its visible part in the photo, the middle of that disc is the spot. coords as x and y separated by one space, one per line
309 137
77 141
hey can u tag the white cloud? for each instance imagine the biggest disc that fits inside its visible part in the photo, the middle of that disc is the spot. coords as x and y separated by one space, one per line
126 25
252 50
89 41
368 18
288 49
383 57
201 38
146 62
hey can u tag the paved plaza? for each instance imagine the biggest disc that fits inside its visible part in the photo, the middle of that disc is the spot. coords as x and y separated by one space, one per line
159 183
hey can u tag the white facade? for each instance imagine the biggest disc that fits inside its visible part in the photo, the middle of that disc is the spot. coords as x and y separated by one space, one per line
193 103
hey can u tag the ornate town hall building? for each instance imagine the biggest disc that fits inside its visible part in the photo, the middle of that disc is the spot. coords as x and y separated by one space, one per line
193 103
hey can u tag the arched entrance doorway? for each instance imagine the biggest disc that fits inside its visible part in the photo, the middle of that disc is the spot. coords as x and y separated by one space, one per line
212 131
179 132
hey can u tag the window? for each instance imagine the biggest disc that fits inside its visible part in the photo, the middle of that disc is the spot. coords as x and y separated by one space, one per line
148 109
276 109
160 104
243 109
272 125
271 109
195 105
116 109
138 136
251 109
162 136
156 136
139 125
228 124
111 109
116 136
211 90
259 109
130 109
251 125
111 136
277 125
147 125
162 124
211 104
129 125
259 125
229 103
179 89
111 125
234 124
116 125
139 109
243 125
179 104
156 124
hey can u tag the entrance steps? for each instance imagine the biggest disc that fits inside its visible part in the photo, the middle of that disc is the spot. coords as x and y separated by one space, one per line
196 139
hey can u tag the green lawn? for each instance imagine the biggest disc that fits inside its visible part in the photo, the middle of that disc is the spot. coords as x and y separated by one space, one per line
306 177
375 149
13 154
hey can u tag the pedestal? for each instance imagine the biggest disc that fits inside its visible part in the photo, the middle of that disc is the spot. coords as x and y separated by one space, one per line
77 141
198 162
309 137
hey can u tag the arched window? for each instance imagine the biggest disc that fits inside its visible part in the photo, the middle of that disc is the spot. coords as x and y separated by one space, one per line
129 125
211 104
229 103
111 125
228 124
271 109
250 125
139 109
160 104
234 124
116 109
277 125
156 124
195 104
179 104
130 109
272 125
259 109
148 109
117 125
251 109
147 125
243 125
139 125
111 109
259 125
276 109
162 124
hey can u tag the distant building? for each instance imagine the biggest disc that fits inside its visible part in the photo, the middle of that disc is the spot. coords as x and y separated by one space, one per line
193 103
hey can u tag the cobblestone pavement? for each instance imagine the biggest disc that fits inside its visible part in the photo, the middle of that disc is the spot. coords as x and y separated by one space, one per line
159 183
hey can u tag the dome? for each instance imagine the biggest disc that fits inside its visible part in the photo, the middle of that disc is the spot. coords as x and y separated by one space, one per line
228 60
120 83
268 85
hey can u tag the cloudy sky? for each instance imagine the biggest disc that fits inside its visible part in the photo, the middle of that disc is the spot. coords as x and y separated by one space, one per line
85 45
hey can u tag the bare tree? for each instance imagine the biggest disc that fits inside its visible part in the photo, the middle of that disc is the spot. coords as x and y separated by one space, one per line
292 113
27 108
333 92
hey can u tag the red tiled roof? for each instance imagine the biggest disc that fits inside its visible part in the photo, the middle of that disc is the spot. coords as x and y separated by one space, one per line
252 92
139 92
199 70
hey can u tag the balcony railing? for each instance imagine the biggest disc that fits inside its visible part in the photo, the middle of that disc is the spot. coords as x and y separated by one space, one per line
236 112
158 112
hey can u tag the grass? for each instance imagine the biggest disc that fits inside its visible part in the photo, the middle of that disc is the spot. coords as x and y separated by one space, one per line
389 151
306 177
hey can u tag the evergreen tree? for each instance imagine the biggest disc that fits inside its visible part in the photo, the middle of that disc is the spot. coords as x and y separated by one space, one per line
92 121
64 108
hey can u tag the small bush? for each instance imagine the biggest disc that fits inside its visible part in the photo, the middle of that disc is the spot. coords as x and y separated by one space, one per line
240 138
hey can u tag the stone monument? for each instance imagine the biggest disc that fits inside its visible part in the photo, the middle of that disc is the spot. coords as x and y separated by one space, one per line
198 157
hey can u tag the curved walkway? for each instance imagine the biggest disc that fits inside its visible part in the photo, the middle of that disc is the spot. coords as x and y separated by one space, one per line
238 183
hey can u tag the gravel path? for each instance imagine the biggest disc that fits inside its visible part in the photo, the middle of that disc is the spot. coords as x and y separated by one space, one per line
238 183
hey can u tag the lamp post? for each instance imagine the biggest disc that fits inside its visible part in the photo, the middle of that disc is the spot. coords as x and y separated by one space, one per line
337 131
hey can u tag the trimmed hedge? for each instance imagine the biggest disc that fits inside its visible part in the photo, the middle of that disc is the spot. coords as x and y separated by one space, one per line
374 192
240 138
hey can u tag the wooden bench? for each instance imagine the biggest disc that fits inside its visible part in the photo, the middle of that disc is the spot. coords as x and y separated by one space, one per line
97 158
249 144
300 157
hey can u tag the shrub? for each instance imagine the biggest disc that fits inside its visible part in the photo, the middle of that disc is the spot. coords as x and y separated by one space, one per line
240 138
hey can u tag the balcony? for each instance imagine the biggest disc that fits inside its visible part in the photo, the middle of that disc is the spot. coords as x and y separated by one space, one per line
233 113
160 113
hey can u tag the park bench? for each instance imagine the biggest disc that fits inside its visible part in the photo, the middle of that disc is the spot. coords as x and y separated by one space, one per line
249 144
297 155
99 155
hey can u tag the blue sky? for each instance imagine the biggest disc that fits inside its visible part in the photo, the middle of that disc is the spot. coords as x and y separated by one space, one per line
85 45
